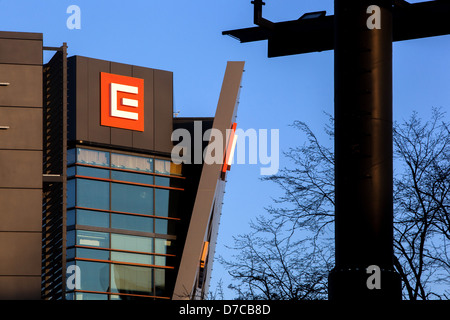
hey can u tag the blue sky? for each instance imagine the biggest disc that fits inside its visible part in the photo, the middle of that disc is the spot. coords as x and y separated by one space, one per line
185 37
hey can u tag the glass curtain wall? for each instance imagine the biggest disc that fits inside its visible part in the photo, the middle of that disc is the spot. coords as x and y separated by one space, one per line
121 217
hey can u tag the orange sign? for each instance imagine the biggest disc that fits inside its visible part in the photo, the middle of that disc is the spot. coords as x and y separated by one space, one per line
121 101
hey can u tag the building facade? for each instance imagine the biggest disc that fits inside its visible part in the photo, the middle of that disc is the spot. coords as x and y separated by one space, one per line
115 216
21 152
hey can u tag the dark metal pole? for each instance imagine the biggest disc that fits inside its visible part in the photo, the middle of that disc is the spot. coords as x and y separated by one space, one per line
363 151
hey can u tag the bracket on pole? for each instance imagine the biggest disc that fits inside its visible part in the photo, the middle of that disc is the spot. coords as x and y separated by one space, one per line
257 15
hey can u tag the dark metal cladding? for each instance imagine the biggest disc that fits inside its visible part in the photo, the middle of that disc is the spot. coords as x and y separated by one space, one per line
410 21
55 177
363 151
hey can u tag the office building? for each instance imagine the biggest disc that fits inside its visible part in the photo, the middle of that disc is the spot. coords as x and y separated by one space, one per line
93 205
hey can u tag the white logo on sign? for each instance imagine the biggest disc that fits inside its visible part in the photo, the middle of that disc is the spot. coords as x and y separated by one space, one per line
115 87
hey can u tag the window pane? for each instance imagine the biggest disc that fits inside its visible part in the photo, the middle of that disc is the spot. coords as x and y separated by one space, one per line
131 177
94 276
163 246
131 243
91 238
93 157
70 193
131 257
70 217
70 253
162 166
169 182
70 238
92 218
160 261
90 296
161 226
162 181
175 169
131 280
70 172
133 199
69 296
92 254
162 202
92 172
71 156
131 162
129 222
93 194
160 282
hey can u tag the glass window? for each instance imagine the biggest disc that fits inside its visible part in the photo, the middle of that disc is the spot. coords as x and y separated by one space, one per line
93 157
94 276
131 257
93 194
161 226
92 218
70 172
162 202
69 296
131 177
130 222
71 193
92 172
70 253
131 279
162 166
163 246
160 260
169 182
93 239
131 243
70 238
92 254
167 167
175 169
133 199
71 156
162 181
160 282
123 161
70 217
90 296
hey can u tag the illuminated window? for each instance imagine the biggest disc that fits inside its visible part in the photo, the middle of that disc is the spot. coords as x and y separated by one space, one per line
122 161
131 279
131 243
93 157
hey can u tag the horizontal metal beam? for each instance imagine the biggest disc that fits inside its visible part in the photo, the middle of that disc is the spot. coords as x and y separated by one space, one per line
410 21
52 178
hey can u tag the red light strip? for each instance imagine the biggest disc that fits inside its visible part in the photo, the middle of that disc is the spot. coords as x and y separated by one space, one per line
230 147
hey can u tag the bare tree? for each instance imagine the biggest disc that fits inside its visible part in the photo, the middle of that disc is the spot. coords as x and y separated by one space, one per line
422 203
290 250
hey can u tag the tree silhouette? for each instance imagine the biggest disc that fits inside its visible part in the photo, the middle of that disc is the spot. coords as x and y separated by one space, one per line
290 249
